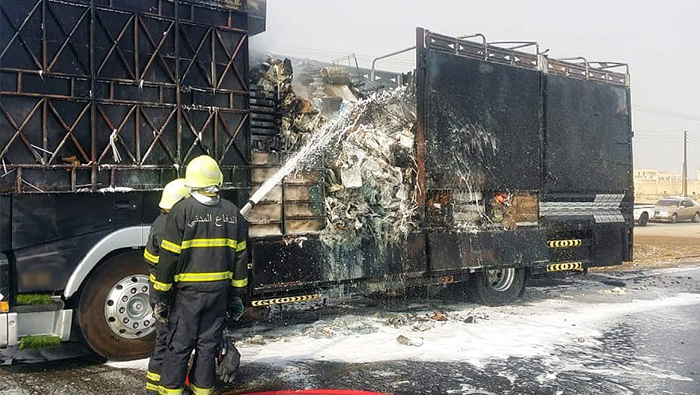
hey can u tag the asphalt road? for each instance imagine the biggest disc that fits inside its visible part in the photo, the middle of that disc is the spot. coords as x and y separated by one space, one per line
618 333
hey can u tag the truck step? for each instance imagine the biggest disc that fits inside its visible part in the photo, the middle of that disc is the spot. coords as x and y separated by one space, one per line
36 308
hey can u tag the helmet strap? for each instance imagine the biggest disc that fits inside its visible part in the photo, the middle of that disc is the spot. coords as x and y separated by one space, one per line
206 198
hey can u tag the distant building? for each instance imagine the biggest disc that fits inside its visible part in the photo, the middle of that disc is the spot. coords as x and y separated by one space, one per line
651 185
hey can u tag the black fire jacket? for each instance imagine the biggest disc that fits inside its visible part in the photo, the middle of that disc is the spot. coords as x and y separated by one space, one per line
203 249
152 252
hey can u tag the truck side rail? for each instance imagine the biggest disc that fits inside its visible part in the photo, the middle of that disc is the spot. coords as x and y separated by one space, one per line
512 53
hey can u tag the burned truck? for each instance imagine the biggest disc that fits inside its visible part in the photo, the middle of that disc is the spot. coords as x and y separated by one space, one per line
484 164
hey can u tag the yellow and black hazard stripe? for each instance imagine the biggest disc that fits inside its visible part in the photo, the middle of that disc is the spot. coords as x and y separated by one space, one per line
564 243
560 267
286 299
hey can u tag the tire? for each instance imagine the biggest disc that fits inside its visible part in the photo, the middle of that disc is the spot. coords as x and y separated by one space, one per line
101 335
643 219
696 217
674 218
497 287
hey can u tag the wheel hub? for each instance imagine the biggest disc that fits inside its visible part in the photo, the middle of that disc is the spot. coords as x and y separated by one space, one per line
127 308
501 279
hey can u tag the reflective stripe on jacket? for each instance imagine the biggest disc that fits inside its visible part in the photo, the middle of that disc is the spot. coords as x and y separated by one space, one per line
203 248
151 254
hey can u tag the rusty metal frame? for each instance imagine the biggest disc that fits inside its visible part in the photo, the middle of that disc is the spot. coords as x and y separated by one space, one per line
69 132
68 40
93 92
115 45
232 138
157 47
116 132
18 131
158 136
18 35
196 54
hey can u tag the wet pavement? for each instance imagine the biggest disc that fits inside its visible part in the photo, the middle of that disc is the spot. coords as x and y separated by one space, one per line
615 333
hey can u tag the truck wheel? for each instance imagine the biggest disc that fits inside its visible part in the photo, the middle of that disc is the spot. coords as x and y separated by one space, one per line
696 217
497 287
674 218
643 219
114 313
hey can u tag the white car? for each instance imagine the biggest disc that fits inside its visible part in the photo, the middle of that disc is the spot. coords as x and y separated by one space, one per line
643 213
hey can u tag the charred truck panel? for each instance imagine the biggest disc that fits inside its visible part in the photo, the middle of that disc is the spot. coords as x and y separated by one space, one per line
553 136
482 123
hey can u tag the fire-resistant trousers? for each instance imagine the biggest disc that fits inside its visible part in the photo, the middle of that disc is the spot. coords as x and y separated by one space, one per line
156 362
196 322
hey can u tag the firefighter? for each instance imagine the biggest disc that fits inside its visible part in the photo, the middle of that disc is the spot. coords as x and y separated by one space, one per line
204 260
173 192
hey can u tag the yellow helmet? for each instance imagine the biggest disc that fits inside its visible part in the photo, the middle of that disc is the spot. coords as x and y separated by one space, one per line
202 172
173 192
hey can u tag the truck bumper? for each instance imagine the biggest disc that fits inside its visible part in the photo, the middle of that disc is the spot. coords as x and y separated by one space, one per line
13 326
4 332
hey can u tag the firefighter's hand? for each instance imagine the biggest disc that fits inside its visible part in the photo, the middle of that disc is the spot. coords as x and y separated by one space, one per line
235 309
162 312
229 361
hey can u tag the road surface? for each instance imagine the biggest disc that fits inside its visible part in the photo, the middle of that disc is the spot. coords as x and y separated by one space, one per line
664 244
606 333
686 230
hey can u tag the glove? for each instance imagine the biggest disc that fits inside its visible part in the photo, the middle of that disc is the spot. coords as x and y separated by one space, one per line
229 360
162 312
235 309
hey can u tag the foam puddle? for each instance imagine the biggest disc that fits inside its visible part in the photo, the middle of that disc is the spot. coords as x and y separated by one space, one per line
511 331
521 331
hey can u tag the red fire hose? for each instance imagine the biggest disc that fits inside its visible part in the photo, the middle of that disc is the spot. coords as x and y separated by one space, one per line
316 392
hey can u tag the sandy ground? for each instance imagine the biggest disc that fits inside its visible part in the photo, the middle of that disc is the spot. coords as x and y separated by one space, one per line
660 245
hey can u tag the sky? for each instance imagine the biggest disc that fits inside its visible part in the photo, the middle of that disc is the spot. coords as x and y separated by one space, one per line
659 40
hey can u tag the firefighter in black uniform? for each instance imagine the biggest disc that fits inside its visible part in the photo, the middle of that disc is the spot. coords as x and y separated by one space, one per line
173 192
203 258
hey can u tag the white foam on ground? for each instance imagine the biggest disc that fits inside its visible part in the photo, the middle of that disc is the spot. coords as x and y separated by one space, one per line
140 364
520 331
531 330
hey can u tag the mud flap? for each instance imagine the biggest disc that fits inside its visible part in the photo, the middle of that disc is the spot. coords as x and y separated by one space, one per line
609 245
13 355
